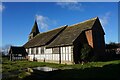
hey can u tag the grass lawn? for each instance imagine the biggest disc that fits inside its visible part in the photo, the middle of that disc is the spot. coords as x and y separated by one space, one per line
91 70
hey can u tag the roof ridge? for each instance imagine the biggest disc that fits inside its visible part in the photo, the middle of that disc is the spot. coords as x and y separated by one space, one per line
49 31
54 29
84 21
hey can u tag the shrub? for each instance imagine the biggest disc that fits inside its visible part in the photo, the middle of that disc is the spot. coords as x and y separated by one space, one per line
86 52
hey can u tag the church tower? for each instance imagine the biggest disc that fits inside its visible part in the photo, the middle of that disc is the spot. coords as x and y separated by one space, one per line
34 31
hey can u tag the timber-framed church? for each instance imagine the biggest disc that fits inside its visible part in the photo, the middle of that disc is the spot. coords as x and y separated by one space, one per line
62 45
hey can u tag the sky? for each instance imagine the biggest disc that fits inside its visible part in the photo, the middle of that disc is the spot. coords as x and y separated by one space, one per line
18 18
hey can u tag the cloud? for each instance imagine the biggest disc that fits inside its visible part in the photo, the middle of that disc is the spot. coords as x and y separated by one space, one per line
2 7
44 22
70 5
104 19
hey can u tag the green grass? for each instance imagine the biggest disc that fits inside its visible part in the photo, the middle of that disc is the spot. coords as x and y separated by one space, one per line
107 69
8 66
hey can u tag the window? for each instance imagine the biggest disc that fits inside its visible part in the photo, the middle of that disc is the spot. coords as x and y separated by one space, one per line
55 50
31 50
36 50
42 50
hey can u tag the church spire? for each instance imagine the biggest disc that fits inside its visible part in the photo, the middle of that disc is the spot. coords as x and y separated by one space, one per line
35 28
34 31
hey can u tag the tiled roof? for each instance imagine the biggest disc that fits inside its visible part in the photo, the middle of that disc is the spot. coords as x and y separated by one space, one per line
60 36
44 38
71 33
17 50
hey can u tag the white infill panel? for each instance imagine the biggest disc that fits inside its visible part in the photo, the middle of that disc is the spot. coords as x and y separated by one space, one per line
63 57
49 57
48 51
46 57
66 57
56 57
63 49
39 50
29 50
31 57
67 50
43 56
37 56
34 50
26 50
70 49
69 57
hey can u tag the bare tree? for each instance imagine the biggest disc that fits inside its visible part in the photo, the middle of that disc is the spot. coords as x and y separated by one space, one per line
5 49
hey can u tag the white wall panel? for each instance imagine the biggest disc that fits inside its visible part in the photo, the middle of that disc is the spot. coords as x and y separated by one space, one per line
69 49
43 57
29 50
70 57
65 54
63 49
66 57
48 51
31 57
63 57
39 50
26 50
56 57
48 56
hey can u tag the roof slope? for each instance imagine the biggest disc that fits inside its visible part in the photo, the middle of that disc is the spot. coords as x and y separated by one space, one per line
71 33
17 50
44 38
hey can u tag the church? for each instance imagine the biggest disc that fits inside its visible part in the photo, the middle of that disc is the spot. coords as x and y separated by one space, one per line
63 45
